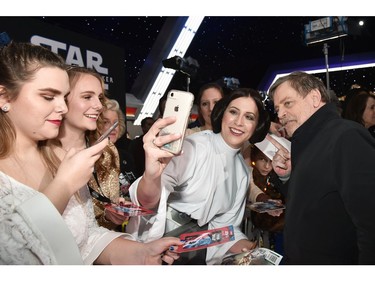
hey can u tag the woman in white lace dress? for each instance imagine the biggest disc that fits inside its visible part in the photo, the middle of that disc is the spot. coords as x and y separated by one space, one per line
33 192
79 131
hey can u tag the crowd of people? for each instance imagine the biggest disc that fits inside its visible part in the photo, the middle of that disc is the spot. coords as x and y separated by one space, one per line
47 214
53 169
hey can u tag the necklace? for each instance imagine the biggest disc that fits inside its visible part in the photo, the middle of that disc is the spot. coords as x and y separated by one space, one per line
67 149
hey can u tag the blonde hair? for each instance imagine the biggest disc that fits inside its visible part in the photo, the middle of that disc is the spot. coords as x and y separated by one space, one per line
113 105
75 73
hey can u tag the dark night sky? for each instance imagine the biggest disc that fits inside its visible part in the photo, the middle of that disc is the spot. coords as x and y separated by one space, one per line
240 47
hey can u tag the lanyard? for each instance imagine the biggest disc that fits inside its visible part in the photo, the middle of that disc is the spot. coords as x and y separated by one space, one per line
96 194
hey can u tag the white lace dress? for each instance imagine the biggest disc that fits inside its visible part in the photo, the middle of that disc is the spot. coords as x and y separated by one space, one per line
20 243
23 243
90 237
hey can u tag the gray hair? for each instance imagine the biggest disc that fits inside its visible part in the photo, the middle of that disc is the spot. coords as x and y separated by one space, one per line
303 83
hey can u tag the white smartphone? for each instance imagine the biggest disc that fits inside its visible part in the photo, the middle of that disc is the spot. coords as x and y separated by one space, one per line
179 104
106 133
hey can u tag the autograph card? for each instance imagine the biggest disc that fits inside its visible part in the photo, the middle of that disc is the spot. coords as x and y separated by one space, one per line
269 149
257 256
128 209
202 239
270 205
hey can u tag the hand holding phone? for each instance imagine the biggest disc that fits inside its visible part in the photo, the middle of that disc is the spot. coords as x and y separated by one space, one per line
106 133
179 104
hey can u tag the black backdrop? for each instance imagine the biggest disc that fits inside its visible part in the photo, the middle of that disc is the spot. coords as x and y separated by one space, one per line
75 48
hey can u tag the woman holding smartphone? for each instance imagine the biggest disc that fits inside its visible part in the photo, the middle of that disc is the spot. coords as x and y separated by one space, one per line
33 191
81 129
208 183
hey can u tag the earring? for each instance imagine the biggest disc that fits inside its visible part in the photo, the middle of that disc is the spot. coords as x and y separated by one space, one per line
5 108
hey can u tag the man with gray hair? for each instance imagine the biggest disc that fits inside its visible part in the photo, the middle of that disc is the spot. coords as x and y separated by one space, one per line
330 177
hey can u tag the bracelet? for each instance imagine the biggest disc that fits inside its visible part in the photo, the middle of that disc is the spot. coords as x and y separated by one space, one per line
123 226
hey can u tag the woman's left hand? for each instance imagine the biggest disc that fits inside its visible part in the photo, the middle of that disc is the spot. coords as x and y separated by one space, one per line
117 219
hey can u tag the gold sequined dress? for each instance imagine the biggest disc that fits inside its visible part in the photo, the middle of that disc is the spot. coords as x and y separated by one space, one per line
109 187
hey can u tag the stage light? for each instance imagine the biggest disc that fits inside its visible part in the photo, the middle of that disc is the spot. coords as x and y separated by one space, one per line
188 66
165 75
325 29
321 70
231 82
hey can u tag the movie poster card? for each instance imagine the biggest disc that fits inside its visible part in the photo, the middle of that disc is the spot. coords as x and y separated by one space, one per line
257 256
269 205
128 209
202 239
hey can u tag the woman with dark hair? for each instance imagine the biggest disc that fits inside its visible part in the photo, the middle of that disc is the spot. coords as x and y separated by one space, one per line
354 91
361 109
263 124
206 184
209 94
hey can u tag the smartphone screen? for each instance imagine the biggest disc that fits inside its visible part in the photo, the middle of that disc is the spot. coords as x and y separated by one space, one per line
106 133
179 104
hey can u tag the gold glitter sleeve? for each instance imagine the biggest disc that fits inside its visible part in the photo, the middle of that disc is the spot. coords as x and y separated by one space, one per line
109 185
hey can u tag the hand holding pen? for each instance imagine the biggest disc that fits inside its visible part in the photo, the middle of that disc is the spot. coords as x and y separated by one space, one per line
278 130
281 161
